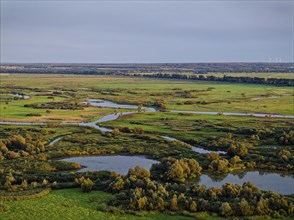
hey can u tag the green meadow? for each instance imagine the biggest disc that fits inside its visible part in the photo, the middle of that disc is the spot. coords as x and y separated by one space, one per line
178 95
72 204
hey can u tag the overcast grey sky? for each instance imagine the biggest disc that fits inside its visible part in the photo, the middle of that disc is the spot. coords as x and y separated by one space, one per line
154 31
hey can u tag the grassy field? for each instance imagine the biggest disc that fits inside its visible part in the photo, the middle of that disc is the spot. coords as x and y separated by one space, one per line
188 126
71 204
179 95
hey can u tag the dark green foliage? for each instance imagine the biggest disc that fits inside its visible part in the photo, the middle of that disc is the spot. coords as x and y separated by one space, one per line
19 146
138 192
70 105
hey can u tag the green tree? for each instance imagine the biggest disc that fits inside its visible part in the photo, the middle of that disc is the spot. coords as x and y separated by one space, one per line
174 203
235 160
3 147
219 165
284 154
140 108
193 206
239 149
87 185
139 173
118 184
226 209
245 208
213 156
24 184
116 131
142 202
262 207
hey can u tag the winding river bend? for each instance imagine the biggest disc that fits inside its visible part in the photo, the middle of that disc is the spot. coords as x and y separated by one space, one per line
282 184
109 104
111 117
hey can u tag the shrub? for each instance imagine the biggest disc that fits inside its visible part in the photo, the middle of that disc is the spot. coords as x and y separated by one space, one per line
87 185
4 207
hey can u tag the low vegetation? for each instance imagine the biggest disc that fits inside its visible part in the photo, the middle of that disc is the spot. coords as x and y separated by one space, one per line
31 169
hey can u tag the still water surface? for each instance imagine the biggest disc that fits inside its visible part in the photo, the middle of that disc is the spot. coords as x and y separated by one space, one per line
119 164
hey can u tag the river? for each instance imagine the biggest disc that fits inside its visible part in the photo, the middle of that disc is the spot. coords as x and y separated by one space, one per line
121 164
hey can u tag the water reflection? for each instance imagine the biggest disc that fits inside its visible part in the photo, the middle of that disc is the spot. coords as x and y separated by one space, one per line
280 183
119 164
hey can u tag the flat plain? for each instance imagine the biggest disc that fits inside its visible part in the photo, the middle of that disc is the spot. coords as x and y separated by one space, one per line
178 141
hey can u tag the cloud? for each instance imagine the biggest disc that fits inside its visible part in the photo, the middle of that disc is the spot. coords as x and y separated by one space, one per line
165 31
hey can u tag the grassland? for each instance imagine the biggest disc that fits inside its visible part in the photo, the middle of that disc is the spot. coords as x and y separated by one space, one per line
70 204
179 95
188 126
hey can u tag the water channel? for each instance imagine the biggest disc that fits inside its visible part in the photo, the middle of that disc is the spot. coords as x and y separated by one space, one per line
282 184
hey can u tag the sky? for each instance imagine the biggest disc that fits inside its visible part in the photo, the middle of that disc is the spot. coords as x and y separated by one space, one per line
153 31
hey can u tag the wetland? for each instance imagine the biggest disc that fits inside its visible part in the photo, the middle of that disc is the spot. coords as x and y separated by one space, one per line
144 141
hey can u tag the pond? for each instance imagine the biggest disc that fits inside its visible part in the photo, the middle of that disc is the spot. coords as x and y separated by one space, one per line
275 182
283 184
119 164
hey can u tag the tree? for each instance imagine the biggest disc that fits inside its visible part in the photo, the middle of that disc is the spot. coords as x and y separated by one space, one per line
34 185
142 202
118 184
234 160
245 208
17 142
39 145
140 108
184 168
176 172
7 185
116 131
24 184
1 156
13 155
213 156
193 206
174 203
3 147
262 207
139 173
284 154
226 209
239 149
87 185
45 182
219 165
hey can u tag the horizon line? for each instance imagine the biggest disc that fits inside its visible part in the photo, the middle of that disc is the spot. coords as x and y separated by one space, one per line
206 62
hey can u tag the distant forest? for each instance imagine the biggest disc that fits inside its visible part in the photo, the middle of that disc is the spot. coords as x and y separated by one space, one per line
187 71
